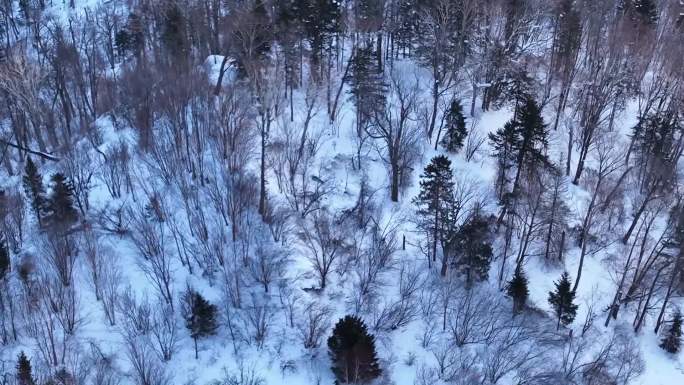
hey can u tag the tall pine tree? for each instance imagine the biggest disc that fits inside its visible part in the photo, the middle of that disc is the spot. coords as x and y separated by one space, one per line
518 291
322 19
504 143
352 352
455 127
522 143
24 375
435 203
175 36
672 340
562 301
533 134
367 86
33 187
200 316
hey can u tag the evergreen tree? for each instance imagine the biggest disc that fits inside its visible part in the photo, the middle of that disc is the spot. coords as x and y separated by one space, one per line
122 41
533 139
352 352
455 127
522 142
4 259
174 35
33 187
504 142
407 24
24 375
130 38
568 38
472 249
367 85
672 341
200 316
60 211
435 203
656 146
517 290
562 301
321 19
517 88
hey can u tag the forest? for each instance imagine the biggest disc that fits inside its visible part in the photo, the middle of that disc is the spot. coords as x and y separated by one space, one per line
328 192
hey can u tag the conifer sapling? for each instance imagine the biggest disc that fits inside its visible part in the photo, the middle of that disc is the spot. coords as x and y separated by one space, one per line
455 128
24 375
200 316
517 290
33 187
562 301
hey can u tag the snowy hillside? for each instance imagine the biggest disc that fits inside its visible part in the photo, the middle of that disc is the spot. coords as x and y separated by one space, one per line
258 192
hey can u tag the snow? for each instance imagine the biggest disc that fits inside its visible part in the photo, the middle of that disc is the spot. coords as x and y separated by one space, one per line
283 360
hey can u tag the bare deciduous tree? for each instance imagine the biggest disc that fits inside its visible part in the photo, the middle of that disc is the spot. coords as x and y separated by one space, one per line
314 324
322 238
395 130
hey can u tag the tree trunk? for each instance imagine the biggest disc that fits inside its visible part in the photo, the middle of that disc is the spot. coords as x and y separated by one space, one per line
567 163
262 184
553 217
580 166
435 102
585 231
638 214
394 188
675 273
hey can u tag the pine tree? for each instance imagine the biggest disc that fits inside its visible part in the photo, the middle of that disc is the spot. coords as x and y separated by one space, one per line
4 259
60 211
523 139
562 301
352 352
504 142
568 38
122 41
407 24
33 187
533 139
435 203
473 249
367 85
321 20
24 376
455 127
517 290
200 316
522 142
672 341
174 35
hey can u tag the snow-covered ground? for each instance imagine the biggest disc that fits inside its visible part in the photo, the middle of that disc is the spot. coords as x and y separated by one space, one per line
282 359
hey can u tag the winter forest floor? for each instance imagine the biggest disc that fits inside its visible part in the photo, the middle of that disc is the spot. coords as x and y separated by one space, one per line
417 352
